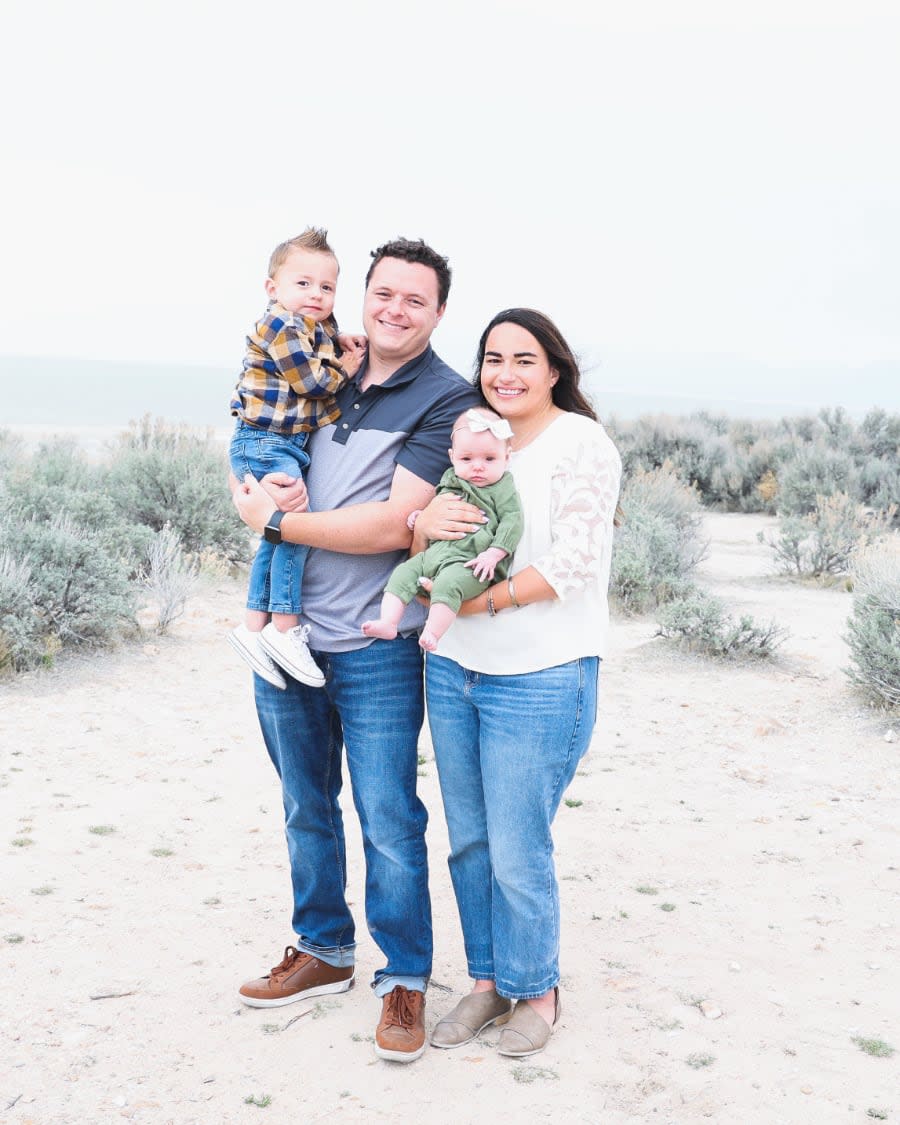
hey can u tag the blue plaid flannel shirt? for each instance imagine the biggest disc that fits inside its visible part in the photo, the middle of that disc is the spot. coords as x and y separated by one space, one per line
290 375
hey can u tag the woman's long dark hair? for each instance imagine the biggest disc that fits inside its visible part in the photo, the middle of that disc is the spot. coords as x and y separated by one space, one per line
566 391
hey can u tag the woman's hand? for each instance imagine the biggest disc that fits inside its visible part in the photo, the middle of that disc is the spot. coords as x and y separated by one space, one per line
448 517
253 504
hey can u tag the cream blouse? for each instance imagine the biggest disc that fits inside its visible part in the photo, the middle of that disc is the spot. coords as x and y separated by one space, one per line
568 481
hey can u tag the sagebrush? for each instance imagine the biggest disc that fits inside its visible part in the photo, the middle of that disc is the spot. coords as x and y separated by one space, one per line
873 628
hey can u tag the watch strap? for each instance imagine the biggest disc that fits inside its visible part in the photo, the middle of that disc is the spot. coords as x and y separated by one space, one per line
272 530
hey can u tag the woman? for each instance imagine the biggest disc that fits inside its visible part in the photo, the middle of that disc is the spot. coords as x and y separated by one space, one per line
512 688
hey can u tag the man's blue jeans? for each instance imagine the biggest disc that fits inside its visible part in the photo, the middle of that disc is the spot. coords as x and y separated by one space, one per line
506 749
372 703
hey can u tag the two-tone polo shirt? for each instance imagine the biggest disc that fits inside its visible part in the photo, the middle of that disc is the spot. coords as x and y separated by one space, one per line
406 421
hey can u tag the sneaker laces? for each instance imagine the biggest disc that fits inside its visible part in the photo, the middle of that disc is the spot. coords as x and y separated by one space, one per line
301 633
401 1008
289 961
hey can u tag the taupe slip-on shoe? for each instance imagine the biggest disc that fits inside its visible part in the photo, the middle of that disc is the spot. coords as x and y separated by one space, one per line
527 1032
472 1014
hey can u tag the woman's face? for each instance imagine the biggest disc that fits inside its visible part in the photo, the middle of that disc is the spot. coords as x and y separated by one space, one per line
516 376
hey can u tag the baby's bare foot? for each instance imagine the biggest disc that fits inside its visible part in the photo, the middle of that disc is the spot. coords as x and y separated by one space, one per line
428 641
384 630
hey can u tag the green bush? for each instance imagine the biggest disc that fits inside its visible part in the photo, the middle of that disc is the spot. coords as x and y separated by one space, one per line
873 628
823 542
814 471
163 475
658 544
80 589
698 621
749 466
22 630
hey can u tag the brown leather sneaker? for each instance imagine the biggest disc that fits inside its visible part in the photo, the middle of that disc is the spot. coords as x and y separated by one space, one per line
299 975
400 1035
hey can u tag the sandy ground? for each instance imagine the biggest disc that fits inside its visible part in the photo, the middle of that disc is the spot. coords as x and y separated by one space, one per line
729 877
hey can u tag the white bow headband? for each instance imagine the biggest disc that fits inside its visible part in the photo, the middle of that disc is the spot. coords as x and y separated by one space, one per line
499 427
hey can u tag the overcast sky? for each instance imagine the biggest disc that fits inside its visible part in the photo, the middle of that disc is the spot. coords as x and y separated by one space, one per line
677 184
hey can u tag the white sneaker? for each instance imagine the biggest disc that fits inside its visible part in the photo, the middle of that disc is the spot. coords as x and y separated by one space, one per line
290 651
248 647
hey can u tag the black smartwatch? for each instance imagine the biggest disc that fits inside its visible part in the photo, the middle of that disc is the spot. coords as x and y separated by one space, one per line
272 530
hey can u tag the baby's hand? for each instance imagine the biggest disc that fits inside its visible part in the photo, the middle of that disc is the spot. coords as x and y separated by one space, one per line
484 565
351 361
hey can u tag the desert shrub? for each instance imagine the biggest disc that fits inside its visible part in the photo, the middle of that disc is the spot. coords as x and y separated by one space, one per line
873 628
22 642
880 434
58 480
814 471
747 465
163 474
659 543
79 587
824 541
724 459
879 482
699 622
169 577
838 427
12 451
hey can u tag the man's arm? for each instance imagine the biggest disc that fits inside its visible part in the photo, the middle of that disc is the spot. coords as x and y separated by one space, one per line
360 529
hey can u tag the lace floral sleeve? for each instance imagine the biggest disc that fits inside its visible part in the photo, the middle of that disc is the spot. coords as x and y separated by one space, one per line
584 494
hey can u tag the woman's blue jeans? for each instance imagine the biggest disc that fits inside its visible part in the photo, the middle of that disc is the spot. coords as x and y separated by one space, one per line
506 749
276 573
372 703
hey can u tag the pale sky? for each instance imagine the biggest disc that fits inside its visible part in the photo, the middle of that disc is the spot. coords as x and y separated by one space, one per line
684 187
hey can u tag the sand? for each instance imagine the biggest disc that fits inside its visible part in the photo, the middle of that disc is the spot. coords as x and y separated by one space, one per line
728 868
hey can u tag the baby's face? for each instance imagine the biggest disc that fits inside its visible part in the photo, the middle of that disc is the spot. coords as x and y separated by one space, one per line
479 458
305 284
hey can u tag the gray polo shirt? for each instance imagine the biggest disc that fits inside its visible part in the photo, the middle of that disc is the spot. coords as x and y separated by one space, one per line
405 421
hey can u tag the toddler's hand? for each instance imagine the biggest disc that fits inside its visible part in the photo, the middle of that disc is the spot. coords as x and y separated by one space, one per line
484 565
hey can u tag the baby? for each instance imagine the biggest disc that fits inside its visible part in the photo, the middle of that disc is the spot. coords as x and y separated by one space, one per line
461 568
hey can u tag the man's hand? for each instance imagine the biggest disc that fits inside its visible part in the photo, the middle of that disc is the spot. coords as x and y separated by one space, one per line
253 505
289 493
484 565
449 517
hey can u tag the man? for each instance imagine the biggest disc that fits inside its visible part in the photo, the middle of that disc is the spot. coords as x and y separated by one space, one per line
369 470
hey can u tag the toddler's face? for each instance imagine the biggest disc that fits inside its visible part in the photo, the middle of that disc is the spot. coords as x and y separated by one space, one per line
479 458
305 284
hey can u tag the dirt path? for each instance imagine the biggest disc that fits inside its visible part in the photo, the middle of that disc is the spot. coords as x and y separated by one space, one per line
730 844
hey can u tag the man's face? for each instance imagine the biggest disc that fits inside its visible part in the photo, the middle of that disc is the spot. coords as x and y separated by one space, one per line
400 310
305 284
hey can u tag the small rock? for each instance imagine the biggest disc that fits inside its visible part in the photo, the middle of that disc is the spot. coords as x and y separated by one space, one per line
891 736
710 1010
806 1089
734 967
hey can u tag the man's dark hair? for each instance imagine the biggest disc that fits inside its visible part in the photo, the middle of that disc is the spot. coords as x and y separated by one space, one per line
415 250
